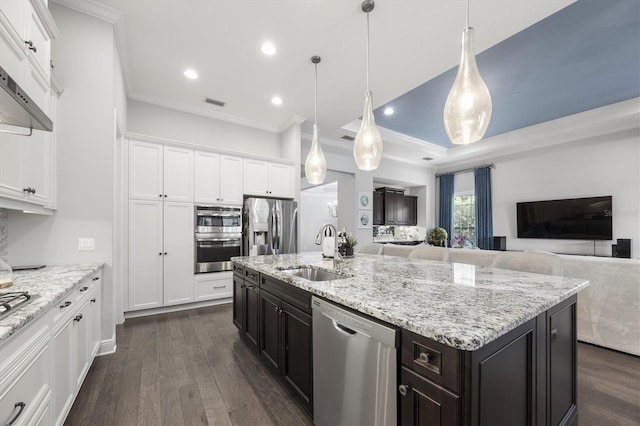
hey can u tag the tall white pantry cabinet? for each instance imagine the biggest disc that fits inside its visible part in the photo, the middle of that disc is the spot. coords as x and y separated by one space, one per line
161 247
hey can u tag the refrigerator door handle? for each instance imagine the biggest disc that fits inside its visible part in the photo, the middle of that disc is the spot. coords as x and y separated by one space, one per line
292 238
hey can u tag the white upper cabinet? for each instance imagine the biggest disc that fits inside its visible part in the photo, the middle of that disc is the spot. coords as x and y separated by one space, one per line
145 171
218 179
280 180
38 42
268 179
207 178
178 174
39 167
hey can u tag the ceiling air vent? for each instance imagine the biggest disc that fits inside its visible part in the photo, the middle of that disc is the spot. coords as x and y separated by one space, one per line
427 158
214 102
348 138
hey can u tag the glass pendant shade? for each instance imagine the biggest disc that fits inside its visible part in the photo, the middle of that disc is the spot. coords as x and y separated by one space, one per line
467 111
367 148
315 166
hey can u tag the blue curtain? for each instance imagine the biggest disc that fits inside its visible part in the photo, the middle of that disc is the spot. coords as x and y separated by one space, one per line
446 205
484 217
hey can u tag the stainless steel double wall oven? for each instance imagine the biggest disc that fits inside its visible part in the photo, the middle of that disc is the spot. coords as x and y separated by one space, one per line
218 237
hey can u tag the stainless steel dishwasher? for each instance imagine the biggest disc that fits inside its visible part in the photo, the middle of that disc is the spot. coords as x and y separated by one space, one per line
354 368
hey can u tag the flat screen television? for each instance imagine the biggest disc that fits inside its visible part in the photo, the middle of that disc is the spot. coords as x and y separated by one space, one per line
570 219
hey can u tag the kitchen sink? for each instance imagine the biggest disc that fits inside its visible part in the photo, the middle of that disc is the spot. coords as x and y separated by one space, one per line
314 274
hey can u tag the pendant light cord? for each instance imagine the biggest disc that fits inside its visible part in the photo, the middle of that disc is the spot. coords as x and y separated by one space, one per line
467 14
315 102
367 51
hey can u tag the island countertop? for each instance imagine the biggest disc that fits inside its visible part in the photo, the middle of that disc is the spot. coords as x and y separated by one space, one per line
49 285
459 305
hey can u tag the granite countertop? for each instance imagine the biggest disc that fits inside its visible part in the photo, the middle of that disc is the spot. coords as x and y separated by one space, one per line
50 284
462 306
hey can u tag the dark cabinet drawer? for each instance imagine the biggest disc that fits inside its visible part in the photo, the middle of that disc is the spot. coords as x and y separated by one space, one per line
435 361
290 294
251 275
238 269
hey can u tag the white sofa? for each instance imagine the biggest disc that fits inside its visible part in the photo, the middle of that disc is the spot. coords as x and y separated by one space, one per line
608 310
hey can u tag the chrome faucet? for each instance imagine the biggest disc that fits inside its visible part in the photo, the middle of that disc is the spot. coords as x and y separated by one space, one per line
337 258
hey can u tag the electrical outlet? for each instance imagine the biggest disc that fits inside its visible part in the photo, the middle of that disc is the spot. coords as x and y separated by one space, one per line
86 243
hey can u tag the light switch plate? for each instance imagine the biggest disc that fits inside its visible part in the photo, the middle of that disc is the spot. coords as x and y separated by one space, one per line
86 243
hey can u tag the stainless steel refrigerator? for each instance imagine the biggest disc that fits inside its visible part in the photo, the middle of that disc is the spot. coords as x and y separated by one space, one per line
269 226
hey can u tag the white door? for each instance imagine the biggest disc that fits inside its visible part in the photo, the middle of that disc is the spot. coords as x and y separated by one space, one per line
256 177
145 171
13 152
179 245
231 180
178 174
207 178
82 328
280 180
145 254
39 167
63 371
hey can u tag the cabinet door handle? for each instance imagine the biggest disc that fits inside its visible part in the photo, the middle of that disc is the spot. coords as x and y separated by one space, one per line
95 278
165 195
554 334
165 253
78 318
84 289
33 190
242 286
65 305
21 406
160 254
31 46
219 286
160 195
93 300
404 389
276 308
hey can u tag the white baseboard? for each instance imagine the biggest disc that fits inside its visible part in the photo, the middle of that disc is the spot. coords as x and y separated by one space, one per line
107 347
176 308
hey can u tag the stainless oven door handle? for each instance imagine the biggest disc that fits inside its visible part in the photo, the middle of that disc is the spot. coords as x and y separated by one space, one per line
216 214
218 239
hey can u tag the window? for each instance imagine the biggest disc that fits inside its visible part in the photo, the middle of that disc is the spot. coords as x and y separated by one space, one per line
464 217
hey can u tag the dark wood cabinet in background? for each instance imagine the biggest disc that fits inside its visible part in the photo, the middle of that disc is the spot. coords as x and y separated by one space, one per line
246 299
378 208
392 207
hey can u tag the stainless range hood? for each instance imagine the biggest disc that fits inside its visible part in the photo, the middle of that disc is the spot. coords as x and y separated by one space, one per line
17 109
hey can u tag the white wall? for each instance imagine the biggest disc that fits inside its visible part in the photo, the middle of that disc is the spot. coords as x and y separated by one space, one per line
84 58
153 120
584 169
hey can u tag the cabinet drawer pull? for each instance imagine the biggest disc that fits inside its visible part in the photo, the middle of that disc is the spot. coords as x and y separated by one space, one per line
93 300
78 318
20 405
95 278
219 286
84 289
425 357
65 305
252 276
404 389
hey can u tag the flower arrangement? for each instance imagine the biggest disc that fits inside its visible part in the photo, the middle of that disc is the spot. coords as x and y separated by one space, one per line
461 241
437 236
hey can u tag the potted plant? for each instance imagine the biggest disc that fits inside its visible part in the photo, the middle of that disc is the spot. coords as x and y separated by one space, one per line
437 236
349 244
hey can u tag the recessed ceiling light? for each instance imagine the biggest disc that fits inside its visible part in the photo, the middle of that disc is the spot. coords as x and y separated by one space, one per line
388 111
190 74
268 48
276 100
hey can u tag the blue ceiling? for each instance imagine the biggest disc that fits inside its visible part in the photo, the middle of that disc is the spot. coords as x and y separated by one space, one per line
585 56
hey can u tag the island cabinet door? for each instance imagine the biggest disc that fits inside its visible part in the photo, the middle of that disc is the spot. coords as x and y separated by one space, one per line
238 301
297 362
422 402
270 313
562 363
251 315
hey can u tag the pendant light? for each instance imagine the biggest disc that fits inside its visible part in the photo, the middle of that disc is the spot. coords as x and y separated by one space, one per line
367 147
315 166
467 111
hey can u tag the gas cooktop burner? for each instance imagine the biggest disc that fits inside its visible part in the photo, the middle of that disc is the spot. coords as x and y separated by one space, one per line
12 301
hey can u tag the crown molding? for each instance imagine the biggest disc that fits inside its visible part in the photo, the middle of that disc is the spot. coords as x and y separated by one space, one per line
205 113
92 8
47 20
294 119
120 35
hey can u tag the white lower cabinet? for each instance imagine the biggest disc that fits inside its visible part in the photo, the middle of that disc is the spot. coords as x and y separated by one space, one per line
63 340
81 331
215 285
161 254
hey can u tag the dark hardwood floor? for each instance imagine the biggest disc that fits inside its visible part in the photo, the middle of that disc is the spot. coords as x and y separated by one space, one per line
191 367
